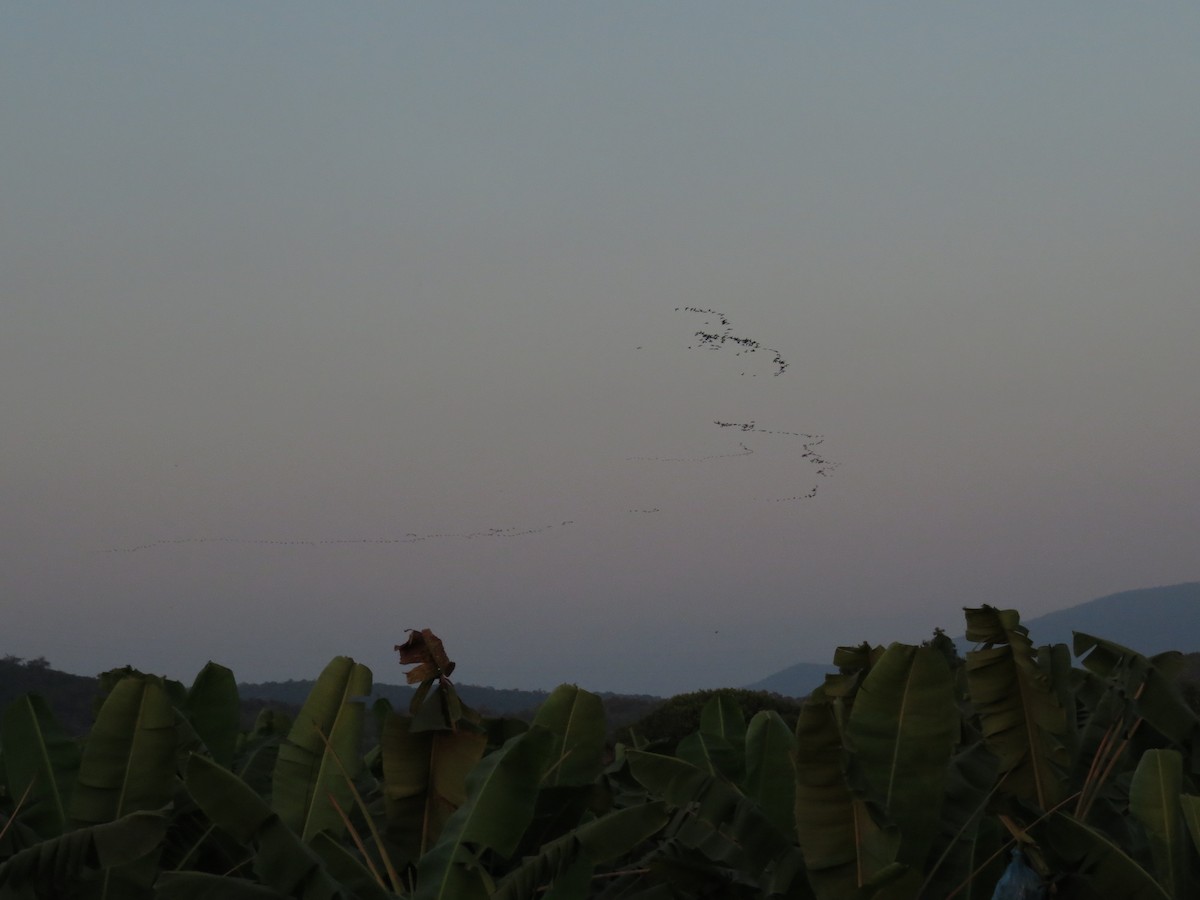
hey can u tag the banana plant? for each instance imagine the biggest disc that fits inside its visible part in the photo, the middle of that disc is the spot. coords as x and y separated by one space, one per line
719 745
40 764
716 832
79 862
281 861
729 792
770 780
575 718
901 733
129 759
566 866
910 774
321 756
1156 803
1023 721
213 709
847 850
501 794
424 782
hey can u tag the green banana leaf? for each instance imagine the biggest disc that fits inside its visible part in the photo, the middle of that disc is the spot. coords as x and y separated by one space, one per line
128 761
719 746
595 842
824 820
1102 866
1022 720
722 717
307 774
213 709
845 849
1190 805
770 774
501 792
1154 800
282 861
39 757
713 755
187 885
901 733
257 750
57 866
969 838
1054 661
1157 698
854 663
576 719
716 817
424 781
348 870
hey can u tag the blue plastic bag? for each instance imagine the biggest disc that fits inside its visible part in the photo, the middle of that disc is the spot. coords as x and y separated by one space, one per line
1019 881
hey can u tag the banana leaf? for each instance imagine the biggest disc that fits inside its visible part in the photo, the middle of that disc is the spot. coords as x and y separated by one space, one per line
770 774
257 750
1156 696
853 665
330 724
714 816
501 792
595 842
213 709
714 755
1190 805
719 746
901 733
576 719
282 861
845 849
1101 868
969 838
1154 800
57 866
1054 661
348 870
1022 720
424 781
722 717
39 757
128 761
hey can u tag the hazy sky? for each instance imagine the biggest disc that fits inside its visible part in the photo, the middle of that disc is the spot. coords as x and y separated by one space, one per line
378 272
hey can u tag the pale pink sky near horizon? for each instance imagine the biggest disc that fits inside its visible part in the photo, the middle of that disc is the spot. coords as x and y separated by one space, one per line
286 287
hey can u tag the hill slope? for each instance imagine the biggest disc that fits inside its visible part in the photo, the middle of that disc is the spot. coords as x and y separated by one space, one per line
795 681
1148 620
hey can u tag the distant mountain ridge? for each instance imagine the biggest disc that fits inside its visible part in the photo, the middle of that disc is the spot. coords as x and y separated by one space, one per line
797 680
1148 620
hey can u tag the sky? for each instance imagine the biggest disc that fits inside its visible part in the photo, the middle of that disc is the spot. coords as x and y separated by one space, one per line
323 322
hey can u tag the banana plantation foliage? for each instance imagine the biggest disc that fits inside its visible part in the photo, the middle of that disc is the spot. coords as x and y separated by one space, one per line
910 774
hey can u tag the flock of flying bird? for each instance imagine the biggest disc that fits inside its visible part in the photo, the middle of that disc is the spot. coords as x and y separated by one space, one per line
706 339
717 339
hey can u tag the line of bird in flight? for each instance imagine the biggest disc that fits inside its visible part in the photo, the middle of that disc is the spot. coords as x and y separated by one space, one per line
710 339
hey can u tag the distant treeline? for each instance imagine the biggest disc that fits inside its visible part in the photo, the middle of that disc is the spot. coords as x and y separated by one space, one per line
74 698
